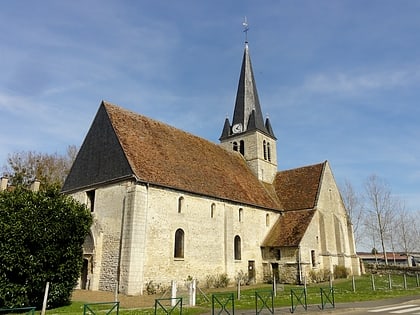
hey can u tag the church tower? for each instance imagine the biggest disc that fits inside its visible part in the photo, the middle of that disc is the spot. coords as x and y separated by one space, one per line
248 134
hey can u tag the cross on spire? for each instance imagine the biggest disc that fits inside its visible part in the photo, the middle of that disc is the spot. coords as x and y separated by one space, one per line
246 28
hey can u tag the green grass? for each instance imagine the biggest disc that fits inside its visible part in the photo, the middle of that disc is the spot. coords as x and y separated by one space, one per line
343 292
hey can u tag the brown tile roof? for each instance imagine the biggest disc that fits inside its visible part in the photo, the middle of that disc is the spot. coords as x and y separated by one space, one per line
163 155
289 229
298 188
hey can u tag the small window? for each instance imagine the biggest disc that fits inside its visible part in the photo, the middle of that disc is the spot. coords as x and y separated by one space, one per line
180 204
237 247
91 200
212 210
179 244
242 147
235 146
268 152
265 150
278 254
240 215
313 258
267 219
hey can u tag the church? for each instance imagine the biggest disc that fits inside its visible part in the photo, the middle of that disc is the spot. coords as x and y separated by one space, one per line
168 205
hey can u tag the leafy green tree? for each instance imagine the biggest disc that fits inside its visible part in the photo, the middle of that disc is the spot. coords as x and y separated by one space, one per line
41 238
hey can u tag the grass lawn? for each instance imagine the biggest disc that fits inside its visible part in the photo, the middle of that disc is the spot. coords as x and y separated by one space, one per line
344 291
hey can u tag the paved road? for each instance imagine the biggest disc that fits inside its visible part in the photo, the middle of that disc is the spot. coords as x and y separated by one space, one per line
401 305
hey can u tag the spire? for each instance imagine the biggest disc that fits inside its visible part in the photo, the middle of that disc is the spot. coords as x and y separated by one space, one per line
247 103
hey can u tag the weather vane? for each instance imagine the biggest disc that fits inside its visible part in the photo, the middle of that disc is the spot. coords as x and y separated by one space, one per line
246 28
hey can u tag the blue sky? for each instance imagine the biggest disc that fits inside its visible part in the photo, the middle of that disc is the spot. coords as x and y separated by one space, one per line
339 79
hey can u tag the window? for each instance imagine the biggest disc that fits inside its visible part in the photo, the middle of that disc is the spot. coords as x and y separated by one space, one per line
212 210
278 254
267 219
313 258
242 147
91 200
240 215
265 150
237 247
179 244
268 152
180 204
235 146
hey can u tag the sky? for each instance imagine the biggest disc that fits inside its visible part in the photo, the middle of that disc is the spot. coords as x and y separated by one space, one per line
339 79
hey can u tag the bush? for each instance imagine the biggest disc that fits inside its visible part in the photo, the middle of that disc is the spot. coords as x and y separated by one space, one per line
217 281
341 272
41 238
318 276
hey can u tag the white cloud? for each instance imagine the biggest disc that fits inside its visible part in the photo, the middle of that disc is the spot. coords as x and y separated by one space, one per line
357 82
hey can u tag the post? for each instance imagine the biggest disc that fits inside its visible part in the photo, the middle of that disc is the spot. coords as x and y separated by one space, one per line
173 292
353 283
274 286
389 281
239 289
417 279
405 281
44 304
373 282
192 292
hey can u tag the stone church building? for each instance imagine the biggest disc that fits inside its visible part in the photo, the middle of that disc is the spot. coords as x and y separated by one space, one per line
168 205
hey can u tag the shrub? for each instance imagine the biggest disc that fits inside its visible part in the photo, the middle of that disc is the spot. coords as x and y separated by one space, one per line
340 272
217 281
319 275
41 238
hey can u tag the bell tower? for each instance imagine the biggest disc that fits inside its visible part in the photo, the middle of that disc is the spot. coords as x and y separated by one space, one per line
249 134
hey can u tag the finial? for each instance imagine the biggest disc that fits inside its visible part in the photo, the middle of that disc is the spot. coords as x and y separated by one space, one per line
246 28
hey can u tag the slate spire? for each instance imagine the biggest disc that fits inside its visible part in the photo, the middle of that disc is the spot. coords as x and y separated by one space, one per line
247 110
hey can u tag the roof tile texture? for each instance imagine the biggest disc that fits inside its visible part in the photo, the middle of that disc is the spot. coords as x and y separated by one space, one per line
166 156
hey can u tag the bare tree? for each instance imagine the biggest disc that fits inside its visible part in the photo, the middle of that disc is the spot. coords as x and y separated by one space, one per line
380 205
406 230
354 206
23 168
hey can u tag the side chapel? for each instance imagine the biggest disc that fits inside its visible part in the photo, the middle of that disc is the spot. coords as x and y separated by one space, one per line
168 205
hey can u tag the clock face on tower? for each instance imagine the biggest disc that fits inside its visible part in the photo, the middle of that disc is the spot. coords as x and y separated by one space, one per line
237 128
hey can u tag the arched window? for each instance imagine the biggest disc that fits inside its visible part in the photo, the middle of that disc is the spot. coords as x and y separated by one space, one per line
180 204
179 244
235 146
242 147
240 215
237 247
265 150
313 258
267 219
268 152
212 210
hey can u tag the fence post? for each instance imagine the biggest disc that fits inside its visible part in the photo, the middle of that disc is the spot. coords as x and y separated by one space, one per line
353 284
173 292
192 292
405 281
373 282
389 281
44 304
274 286
417 279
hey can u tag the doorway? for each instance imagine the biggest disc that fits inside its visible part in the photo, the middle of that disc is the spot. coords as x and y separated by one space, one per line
251 271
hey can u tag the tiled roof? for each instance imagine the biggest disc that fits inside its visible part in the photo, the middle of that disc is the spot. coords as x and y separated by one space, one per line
298 188
289 229
163 155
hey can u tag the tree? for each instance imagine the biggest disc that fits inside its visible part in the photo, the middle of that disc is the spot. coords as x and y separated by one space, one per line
354 207
23 168
406 230
380 208
41 238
